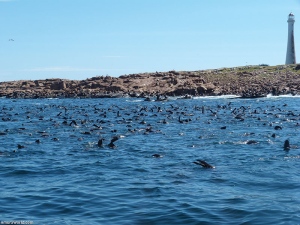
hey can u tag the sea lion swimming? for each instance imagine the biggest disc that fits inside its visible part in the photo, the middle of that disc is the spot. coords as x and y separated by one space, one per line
100 142
184 120
239 117
157 155
98 127
204 164
286 145
111 144
20 146
165 121
250 142
73 122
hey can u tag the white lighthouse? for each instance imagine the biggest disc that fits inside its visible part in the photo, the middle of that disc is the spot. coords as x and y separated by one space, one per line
290 52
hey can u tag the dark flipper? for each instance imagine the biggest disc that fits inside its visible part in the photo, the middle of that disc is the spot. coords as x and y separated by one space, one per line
204 164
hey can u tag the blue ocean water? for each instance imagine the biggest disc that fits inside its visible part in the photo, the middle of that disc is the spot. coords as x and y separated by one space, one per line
68 179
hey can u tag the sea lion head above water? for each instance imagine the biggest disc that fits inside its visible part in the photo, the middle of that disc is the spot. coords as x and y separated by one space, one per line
100 142
286 145
157 155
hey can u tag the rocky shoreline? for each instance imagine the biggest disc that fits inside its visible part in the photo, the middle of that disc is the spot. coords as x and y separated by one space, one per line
246 82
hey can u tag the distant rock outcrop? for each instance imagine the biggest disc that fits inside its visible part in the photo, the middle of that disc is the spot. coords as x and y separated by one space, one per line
247 82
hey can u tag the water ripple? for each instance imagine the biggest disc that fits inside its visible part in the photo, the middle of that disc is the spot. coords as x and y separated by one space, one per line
66 178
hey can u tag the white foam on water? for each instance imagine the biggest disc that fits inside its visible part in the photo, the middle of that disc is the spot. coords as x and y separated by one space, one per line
218 97
283 96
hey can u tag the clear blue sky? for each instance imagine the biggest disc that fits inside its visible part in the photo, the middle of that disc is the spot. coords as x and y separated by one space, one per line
79 39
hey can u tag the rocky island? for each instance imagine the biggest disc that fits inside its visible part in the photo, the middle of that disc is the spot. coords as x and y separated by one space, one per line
247 82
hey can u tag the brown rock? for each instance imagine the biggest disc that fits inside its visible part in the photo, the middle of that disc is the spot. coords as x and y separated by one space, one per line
58 85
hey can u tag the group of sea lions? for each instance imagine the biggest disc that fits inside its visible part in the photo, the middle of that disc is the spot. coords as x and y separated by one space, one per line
131 118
